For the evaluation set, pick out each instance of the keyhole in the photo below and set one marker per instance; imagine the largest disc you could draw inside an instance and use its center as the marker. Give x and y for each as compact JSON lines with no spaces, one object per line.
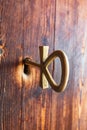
{"x":26,"y":69}
{"x":1,"y":51}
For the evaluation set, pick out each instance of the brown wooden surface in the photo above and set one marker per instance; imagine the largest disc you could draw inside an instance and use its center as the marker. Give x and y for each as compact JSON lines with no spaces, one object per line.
{"x":24,"y":26}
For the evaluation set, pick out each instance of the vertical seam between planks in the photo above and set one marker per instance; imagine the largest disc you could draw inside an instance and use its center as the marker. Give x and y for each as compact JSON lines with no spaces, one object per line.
{"x":2,"y":95}
{"x":54,"y":36}
{"x":22,"y":89}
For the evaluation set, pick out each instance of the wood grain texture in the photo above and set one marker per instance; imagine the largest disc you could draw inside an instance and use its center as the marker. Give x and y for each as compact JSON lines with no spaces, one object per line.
{"x":39,"y":30}
{"x":24,"y":26}
{"x":10,"y":77}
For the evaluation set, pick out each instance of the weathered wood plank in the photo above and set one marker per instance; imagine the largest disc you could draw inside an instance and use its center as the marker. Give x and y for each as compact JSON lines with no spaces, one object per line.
{"x":11,"y":82}
{"x":39,"y":19}
{"x":70,"y":36}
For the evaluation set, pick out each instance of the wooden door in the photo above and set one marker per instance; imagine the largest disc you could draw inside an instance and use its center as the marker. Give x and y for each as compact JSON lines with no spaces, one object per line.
{"x":24,"y":26}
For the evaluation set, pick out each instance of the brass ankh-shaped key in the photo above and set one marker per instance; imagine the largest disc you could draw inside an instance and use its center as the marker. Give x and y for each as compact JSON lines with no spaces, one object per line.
{"x":45,"y":60}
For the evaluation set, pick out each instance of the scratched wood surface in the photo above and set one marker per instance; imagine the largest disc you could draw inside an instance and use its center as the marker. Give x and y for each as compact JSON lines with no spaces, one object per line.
{"x":24,"y":26}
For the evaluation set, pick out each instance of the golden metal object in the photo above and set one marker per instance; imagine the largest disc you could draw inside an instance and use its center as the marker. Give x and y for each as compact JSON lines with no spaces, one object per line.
{"x":43,"y":55}
{"x":45,"y":60}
